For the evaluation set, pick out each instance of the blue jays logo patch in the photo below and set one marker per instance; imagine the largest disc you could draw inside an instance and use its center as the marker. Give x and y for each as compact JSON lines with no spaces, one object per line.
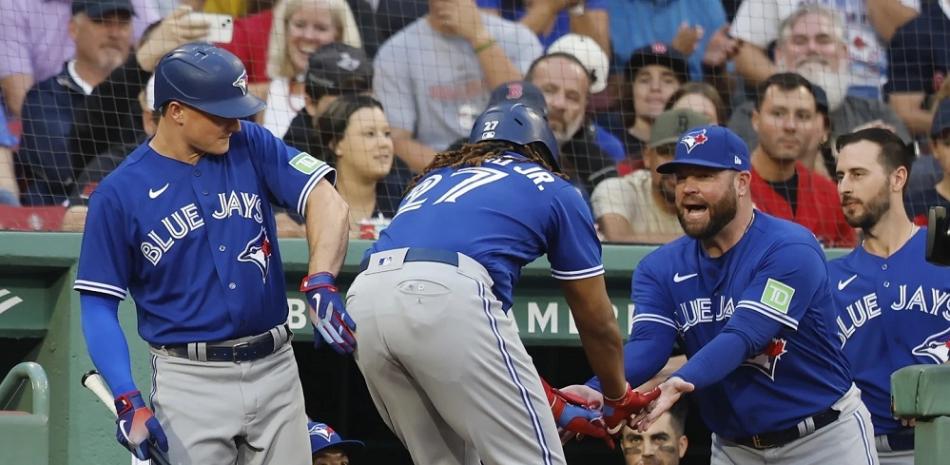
{"x":258,"y":252}
{"x":241,"y":82}
{"x":694,"y":139}
{"x":936,"y":347}
{"x":322,"y":430}
{"x":768,"y":359}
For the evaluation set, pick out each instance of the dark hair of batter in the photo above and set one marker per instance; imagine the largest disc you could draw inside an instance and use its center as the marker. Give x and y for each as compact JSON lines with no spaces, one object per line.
{"x":476,"y":154}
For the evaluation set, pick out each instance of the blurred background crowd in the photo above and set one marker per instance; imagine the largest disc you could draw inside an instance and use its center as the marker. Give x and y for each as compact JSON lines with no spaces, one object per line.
{"x":377,"y":87}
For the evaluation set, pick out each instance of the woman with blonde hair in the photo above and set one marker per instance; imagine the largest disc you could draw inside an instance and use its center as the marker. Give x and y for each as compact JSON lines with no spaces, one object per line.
{"x":299,"y":28}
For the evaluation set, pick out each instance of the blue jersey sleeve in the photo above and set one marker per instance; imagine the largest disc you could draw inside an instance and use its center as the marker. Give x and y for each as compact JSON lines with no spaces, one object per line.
{"x":785,"y":284}
{"x":105,"y":259}
{"x":489,"y":4}
{"x":290,"y":174}
{"x":573,"y":247}
{"x":779,"y":295}
{"x":108,"y":348}
{"x":653,"y":331}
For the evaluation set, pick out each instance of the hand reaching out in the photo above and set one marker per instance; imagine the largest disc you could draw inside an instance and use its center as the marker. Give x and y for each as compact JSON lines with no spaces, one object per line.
{"x":669,"y":392}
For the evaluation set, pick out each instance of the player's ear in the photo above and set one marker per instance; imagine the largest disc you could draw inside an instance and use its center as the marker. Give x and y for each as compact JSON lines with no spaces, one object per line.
{"x":683,"y":443}
{"x":755,"y":120}
{"x":742,"y":181}
{"x":898,"y":179}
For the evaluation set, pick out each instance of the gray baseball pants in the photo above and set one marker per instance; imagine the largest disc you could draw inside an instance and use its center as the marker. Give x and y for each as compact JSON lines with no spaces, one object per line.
{"x":849,"y":440}
{"x":248,"y":413}
{"x":445,"y":366}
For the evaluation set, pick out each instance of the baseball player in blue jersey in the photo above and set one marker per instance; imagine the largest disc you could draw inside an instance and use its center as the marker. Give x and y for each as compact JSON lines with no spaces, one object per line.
{"x":440,"y":355}
{"x":893,"y":306}
{"x":748,"y":297}
{"x":184,"y":225}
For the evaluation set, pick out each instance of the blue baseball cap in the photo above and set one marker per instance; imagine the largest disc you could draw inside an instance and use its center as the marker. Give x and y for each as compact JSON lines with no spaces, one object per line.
{"x":710,"y":146}
{"x":941,"y":118}
{"x":322,"y":436}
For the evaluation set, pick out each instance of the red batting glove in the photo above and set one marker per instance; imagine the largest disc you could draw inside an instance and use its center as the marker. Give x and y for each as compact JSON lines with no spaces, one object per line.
{"x":573,"y":414}
{"x":617,"y":412}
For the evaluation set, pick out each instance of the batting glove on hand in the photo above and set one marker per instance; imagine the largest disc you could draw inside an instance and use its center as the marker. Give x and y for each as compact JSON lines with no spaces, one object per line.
{"x":574,"y":415}
{"x":331,"y":323}
{"x":618,"y":412}
{"x":136,"y":426}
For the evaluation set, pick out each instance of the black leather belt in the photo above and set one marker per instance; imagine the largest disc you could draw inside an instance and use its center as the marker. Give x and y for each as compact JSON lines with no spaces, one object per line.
{"x":419,"y":254}
{"x":246,"y":350}
{"x":780,"y":438}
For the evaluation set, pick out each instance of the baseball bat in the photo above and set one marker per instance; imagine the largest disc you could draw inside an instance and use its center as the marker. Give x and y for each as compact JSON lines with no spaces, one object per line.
{"x":93,"y":381}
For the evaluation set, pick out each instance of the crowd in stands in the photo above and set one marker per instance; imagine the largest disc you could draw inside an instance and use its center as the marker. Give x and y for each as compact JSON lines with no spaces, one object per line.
{"x":377,"y":87}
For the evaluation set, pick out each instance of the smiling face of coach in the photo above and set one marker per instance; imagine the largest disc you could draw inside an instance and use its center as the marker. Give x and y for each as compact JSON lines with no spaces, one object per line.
{"x":201,"y":92}
{"x":713,"y":196}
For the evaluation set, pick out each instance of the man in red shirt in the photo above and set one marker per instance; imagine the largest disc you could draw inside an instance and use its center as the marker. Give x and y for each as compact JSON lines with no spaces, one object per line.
{"x":789,"y":127}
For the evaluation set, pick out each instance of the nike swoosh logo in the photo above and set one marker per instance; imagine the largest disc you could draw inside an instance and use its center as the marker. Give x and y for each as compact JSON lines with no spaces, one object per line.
{"x":678,"y":279}
{"x":844,"y":284}
{"x":122,"y":429}
{"x":152,"y":194}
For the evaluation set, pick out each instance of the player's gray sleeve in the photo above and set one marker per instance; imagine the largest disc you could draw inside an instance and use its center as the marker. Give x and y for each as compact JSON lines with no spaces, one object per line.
{"x":392,"y":84}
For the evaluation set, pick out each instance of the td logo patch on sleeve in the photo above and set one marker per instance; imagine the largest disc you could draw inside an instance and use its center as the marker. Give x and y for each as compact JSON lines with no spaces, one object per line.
{"x":305,"y":163}
{"x":777,"y":295}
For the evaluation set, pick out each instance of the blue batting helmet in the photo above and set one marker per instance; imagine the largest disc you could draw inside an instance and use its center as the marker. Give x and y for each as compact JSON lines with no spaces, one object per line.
{"x":205,"y":77}
{"x":518,"y":123}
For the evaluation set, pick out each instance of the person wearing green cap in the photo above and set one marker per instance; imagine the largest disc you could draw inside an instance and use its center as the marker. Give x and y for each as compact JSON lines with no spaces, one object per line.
{"x":639,"y":207}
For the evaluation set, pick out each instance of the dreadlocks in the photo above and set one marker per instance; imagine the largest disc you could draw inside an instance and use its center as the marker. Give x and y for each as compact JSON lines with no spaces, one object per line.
{"x":477,"y":153}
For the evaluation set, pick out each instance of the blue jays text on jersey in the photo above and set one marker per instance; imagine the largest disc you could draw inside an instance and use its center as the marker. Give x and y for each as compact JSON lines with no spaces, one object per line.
{"x":892,"y":312}
{"x":196,"y":245}
{"x":504,"y":214}
{"x":774,"y":277}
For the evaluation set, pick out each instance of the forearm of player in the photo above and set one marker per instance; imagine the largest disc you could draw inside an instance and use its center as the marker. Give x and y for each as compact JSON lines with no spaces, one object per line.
{"x":107,"y":345}
{"x":644,"y":355}
{"x":598,"y":331}
{"x":328,"y":229}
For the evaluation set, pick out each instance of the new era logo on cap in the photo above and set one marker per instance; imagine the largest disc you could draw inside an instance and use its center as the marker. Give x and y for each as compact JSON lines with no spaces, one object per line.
{"x":694,"y":139}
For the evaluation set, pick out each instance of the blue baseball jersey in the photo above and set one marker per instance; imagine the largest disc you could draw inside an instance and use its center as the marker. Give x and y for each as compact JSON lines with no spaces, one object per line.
{"x":504,"y":214}
{"x":774,"y":277}
{"x":196,"y":245}
{"x":892,"y":312}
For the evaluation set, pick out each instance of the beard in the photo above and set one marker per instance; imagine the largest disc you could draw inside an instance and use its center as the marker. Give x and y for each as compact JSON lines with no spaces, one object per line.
{"x":834,"y":83}
{"x":720,"y":214}
{"x":564,"y":131}
{"x":873,"y":210}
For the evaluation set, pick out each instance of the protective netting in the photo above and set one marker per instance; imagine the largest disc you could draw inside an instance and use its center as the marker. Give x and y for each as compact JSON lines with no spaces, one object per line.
{"x":622,"y":81}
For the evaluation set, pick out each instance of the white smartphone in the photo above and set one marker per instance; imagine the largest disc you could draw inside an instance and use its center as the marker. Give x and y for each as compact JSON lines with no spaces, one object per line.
{"x":221,"y":29}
